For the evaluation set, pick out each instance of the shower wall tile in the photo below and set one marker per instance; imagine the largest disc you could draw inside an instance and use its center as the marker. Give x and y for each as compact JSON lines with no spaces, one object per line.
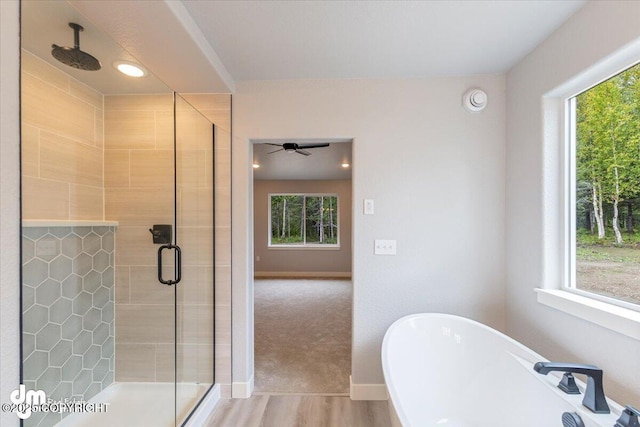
{"x":86,"y":94}
{"x":164,"y":130}
{"x":136,"y":362}
{"x":68,"y":310}
{"x":196,"y":243}
{"x":62,"y":158}
{"x":122,"y":285}
{"x":116,"y":169}
{"x":196,"y":206}
{"x":49,"y":108}
{"x":86,"y":201}
{"x":156,"y":103}
{"x":165,"y":355}
{"x":44,"y":71}
{"x":55,"y":152}
{"x":128,"y":128}
{"x":43,"y":199}
{"x":147,"y":290}
{"x":199,"y":290}
{"x":149,"y":169}
{"x":138,"y":323}
{"x":135,"y":246}
{"x":136,"y":207}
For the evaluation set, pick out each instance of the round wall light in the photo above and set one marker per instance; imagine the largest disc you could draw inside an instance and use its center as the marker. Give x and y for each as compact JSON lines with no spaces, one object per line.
{"x":255,"y":165}
{"x":345,"y":165}
{"x":474,"y":100}
{"x":130,"y":69}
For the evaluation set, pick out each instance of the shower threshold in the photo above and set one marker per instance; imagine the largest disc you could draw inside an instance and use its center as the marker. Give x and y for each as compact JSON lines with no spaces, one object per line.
{"x":139,"y":404}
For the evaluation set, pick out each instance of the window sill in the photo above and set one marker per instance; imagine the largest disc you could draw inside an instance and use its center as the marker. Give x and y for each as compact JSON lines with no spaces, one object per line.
{"x":619,"y":319}
{"x":304,"y":247}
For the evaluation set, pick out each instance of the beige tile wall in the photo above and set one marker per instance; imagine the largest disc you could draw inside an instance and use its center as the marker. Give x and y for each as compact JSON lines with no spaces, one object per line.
{"x":62,"y":157}
{"x":217,"y":108}
{"x":139,"y":192}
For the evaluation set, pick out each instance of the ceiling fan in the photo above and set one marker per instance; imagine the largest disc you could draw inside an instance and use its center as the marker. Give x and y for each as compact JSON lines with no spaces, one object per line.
{"x":292,"y":147}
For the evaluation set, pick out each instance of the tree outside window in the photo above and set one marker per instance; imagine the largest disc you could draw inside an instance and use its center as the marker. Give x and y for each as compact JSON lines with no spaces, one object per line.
{"x":607,"y":187}
{"x":303,"y":220}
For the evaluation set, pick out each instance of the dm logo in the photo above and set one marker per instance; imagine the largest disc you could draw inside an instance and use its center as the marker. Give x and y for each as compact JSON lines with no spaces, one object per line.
{"x":25,"y":400}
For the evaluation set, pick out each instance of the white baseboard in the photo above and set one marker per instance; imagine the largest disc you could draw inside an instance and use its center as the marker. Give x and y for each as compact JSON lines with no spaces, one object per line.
{"x":242,"y":390}
{"x":367,"y":391}
{"x":302,"y":274}
{"x":200,"y":415}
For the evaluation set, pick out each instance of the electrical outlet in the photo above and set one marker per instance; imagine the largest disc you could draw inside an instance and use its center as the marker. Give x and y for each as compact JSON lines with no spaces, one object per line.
{"x":384,"y":247}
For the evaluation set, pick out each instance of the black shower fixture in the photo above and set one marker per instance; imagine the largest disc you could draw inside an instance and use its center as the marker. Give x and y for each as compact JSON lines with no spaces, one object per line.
{"x":73,"y":56}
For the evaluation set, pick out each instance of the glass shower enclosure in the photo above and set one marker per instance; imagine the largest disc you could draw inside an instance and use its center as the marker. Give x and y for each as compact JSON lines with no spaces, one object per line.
{"x":117,"y":234}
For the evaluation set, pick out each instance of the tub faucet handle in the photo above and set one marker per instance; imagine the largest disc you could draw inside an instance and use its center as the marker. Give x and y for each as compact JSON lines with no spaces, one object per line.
{"x":568,"y":384}
{"x":629,"y":417}
{"x":594,"y":398}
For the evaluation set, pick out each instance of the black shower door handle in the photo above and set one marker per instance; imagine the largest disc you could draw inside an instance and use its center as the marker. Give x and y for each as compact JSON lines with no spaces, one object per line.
{"x":178,"y":265}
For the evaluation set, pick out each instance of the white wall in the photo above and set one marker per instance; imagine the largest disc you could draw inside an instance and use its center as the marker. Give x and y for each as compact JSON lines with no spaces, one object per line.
{"x":533,"y":215}
{"x":9,"y":205}
{"x":436,"y":173}
{"x":300,"y":261}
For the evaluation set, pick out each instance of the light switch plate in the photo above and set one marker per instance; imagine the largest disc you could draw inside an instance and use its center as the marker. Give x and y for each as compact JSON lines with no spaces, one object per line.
{"x":384,"y":247}
{"x":368,"y":207}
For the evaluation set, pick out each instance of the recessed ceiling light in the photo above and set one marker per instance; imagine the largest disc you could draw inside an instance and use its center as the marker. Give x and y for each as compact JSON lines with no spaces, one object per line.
{"x":130,"y":69}
{"x":345,"y":165}
{"x":256,"y":166}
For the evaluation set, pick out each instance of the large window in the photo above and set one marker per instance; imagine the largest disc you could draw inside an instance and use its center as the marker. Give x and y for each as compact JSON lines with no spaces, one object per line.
{"x":605,"y":121}
{"x":307,"y":220}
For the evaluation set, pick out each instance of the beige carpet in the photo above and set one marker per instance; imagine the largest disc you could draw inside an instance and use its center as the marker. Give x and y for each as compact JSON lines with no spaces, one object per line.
{"x":302,"y":336}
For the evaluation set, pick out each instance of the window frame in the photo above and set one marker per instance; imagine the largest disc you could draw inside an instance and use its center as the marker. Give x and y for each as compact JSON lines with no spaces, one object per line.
{"x":554,"y":239}
{"x":304,"y":245}
{"x":569,"y":282}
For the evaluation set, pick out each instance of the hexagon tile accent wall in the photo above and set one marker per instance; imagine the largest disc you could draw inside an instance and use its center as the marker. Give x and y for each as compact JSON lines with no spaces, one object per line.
{"x":67,"y":312}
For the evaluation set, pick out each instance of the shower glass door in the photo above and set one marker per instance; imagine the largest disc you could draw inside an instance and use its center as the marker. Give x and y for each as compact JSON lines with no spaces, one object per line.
{"x":195,"y":236}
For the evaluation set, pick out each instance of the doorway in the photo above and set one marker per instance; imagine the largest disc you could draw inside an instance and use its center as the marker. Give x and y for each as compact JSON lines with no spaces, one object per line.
{"x":302,"y":266}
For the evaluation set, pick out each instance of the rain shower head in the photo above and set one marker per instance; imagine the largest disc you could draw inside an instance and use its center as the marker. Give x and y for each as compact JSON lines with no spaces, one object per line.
{"x":73,"y":56}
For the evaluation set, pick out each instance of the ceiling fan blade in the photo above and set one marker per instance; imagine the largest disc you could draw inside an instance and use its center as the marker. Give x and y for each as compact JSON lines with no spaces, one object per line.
{"x":304,"y":153}
{"x":313,"y":145}
{"x":271,"y":152}
{"x":269,"y":143}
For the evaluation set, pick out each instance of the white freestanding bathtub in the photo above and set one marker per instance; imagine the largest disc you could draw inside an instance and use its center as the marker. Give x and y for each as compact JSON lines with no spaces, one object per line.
{"x":444,"y":370}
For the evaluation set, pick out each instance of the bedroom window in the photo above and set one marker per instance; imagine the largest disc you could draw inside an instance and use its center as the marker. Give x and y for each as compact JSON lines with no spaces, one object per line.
{"x":604,"y":124}
{"x":303,"y":220}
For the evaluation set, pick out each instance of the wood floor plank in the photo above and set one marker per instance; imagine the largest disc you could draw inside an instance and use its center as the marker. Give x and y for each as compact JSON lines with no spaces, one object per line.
{"x":239,"y":412}
{"x":300,"y":411}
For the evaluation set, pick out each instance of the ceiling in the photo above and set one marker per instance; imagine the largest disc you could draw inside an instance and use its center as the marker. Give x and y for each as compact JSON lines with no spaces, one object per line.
{"x":323,"y":163}
{"x":273,"y":40}
{"x":198,"y":46}
{"x":46,"y":22}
